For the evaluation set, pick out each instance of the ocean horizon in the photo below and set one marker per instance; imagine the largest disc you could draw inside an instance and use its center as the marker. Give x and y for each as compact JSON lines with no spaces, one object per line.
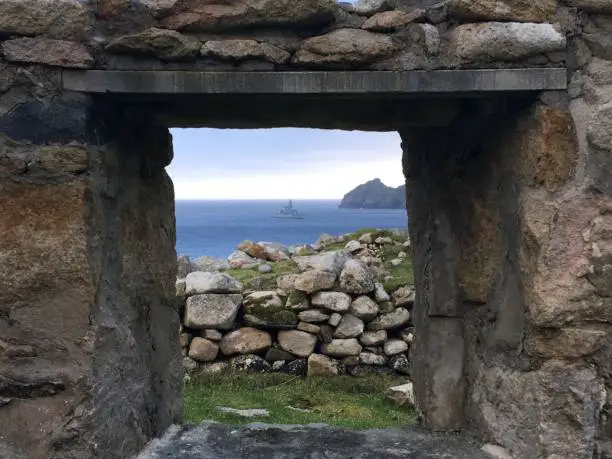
{"x":216,"y":227}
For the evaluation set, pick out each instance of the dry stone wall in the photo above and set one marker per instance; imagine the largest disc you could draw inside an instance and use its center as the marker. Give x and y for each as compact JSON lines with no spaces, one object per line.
{"x":283,"y":35}
{"x":329,"y":316}
{"x":510,"y":207}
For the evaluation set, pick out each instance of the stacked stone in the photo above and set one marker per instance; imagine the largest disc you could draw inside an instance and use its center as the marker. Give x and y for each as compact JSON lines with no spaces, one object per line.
{"x":376,"y":34}
{"x":332,"y":318}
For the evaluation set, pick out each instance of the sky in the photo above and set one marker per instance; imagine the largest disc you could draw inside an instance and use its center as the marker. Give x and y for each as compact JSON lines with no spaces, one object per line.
{"x":284,"y":163}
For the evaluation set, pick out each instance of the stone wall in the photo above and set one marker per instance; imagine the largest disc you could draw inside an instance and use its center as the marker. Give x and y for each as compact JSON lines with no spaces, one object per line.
{"x":330,"y":315}
{"x":510,"y":204}
{"x":284,"y":35}
{"x":509,"y":211}
{"x":89,"y":362}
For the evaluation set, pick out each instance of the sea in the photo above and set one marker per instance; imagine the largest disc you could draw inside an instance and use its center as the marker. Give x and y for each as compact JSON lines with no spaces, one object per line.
{"x":215,"y":228}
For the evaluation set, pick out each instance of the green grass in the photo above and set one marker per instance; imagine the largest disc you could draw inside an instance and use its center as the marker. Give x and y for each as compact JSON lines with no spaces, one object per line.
{"x":350,"y":402}
{"x":400,"y":275}
{"x":252,"y":278}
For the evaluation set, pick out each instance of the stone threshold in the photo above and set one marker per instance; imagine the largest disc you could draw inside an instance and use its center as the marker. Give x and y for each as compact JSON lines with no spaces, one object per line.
{"x":304,"y":82}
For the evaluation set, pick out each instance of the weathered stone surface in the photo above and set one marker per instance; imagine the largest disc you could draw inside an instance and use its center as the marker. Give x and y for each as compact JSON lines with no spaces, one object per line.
{"x":364,"y":308}
{"x":267,"y":309}
{"x":547,"y":142}
{"x":308,"y":327}
{"x":203,"y":350}
{"x":209,"y":264}
{"x":274,"y":355}
{"x":58,"y":53}
{"x":167,"y":45}
{"x":62,"y":19}
{"x":393,"y":319}
{"x":368,"y":358}
{"x":356,"y":278}
{"x":372,"y":338}
{"x":395,"y":346}
{"x":236,"y":50}
{"x":212,"y":310}
{"x":553,"y":410}
{"x":389,"y":21}
{"x":368,"y":7}
{"x":332,"y":261}
{"x":503,"y":10}
{"x":353,"y":246}
{"x":286,"y":282}
{"x":158,"y":7}
{"x":341,"y":347}
{"x":245,"y":341}
{"x":238,"y":259}
{"x":313,"y":316}
{"x":512,"y":40}
{"x":380,"y":294}
{"x":250,"y":362}
{"x":198,"y":282}
{"x":313,"y":281}
{"x":297,"y":342}
{"x":213,"y":335}
{"x":194,"y":16}
{"x":331,"y":301}
{"x":599,"y":131}
{"x":595,"y":6}
{"x":565,"y":343}
{"x":349,"y":327}
{"x":345,"y":48}
{"x":400,"y":364}
{"x":334,"y":319}
{"x":214,"y":440}
{"x":297,"y":301}
{"x":403,"y":296}
{"x":58,"y":160}
{"x":322,"y":365}
{"x":403,"y":395}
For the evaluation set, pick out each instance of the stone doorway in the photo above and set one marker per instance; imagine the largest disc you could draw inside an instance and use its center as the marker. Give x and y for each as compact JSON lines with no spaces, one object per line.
{"x":508,"y":331}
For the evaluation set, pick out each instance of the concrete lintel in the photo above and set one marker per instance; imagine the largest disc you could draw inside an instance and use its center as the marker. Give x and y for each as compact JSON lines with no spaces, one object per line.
{"x":344,"y":82}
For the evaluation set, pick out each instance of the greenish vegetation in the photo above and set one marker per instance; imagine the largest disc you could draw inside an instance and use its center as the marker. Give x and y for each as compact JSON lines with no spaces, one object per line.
{"x":356,"y":403}
{"x":252,"y":278}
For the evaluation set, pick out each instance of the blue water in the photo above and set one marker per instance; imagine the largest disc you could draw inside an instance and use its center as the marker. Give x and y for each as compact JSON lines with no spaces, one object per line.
{"x":215,"y":227}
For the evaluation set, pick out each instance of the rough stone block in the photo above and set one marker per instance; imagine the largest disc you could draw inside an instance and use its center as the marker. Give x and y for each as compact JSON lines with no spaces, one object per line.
{"x":63,"y":19}
{"x":552,"y":411}
{"x":512,"y":40}
{"x":503,"y":10}
{"x":57,"y":53}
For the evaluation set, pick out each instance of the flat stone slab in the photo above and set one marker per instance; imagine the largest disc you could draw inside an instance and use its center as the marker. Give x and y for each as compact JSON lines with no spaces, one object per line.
{"x":357,"y":82}
{"x":314,"y":441}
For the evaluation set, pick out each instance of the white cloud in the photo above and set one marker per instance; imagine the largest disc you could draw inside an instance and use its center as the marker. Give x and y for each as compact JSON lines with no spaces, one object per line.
{"x":326,"y":182}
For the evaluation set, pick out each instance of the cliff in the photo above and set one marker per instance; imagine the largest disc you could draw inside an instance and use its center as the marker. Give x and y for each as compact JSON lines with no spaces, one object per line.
{"x":375,"y":195}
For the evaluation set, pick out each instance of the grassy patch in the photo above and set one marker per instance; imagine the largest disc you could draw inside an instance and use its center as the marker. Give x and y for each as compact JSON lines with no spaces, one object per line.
{"x":356,"y":403}
{"x":400,"y":275}
{"x":252,"y":278}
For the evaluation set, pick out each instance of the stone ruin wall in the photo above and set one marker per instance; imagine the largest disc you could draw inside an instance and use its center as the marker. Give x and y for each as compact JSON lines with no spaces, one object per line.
{"x":329,"y":317}
{"x":516,"y":226}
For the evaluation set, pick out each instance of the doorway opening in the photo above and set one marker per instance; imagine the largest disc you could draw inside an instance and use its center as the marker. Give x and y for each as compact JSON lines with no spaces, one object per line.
{"x":294,"y":276}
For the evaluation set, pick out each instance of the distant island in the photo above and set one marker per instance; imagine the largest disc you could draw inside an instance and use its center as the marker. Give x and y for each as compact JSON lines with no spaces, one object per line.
{"x":375,"y":195}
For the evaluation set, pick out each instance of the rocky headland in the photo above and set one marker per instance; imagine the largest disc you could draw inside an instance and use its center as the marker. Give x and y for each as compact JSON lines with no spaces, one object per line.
{"x":338,"y":306}
{"x":375,"y":195}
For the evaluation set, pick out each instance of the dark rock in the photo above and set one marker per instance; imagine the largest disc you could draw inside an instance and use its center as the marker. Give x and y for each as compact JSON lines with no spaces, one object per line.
{"x":326,"y":333}
{"x":400,"y":364}
{"x":43,"y":122}
{"x":296,"y":367}
{"x":262,"y":441}
{"x":250,"y":362}
{"x":375,"y":195}
{"x":364,"y":370}
{"x":274,"y":354}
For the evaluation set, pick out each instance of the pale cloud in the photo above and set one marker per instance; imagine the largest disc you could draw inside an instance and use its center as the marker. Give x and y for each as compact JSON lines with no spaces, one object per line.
{"x":281,"y":164}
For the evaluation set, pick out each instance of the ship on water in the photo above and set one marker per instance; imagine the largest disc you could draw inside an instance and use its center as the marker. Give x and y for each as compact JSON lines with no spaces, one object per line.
{"x":289,"y":212}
